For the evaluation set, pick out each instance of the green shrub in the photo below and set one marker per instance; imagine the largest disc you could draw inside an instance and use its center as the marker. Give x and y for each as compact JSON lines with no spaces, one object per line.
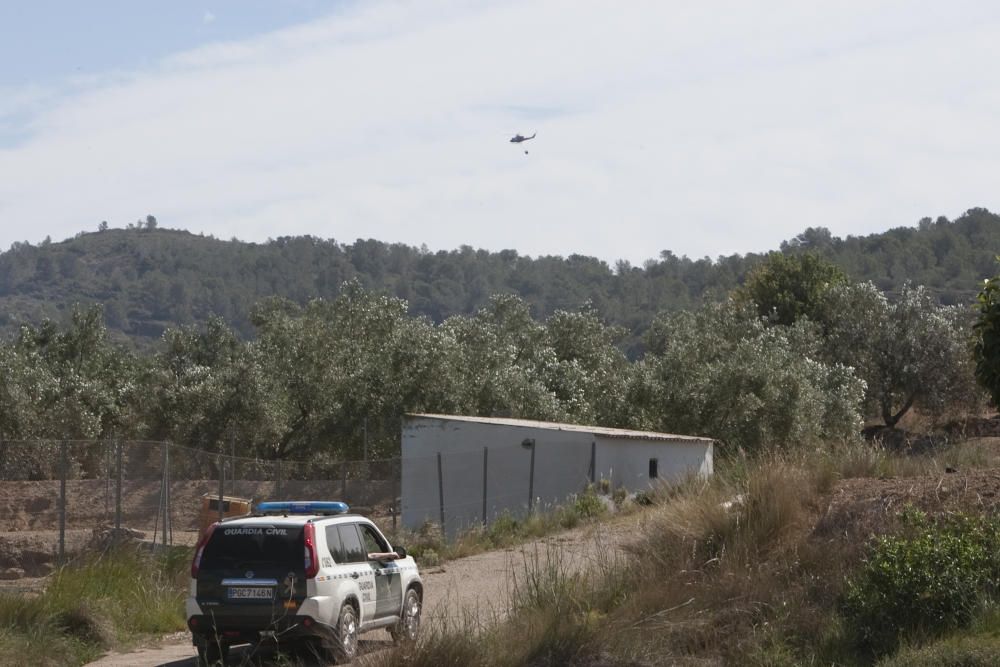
{"x":430,"y":558}
{"x":503,"y":530}
{"x":588,"y":505}
{"x":429,"y":539}
{"x":928,"y":580}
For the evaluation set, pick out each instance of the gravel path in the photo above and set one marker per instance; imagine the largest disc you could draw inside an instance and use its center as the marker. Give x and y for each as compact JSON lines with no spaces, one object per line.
{"x":472,"y":589}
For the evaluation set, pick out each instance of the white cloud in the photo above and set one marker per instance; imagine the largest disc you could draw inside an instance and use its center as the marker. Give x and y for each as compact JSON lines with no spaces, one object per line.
{"x":703,"y":128}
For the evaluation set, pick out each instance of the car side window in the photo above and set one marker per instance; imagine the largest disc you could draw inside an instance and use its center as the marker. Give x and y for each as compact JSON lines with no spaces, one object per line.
{"x":354,"y":551}
{"x":374,"y":543}
{"x":334,"y":545}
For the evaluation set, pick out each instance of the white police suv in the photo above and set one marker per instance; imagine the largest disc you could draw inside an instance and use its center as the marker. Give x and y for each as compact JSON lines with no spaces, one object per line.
{"x":301,"y":574}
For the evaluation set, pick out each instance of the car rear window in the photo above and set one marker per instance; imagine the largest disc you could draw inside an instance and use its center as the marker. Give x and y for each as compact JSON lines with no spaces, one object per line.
{"x":240,"y":546}
{"x":352,"y":551}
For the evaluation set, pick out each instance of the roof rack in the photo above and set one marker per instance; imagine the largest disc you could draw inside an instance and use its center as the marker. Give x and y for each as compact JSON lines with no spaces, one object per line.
{"x":324,"y":507}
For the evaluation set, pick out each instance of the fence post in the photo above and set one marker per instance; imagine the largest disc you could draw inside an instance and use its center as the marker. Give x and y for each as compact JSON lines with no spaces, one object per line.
{"x":107,"y":481}
{"x":159,"y":513}
{"x":232,"y":464}
{"x":64,"y":470}
{"x":222,"y":484}
{"x":441,"y":493}
{"x":119,"y":446}
{"x":593,"y":462}
{"x":343,"y":481}
{"x":396,"y":474}
{"x":486,"y":457}
{"x":168,"y":524}
{"x":165,"y":489}
{"x":531,"y":480}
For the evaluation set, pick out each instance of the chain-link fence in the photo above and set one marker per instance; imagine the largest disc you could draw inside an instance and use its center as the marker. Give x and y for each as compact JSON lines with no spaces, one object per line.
{"x":59,"y":498}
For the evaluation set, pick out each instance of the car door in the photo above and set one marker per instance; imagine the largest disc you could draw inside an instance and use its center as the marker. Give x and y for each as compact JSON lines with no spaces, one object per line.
{"x":356,"y":567}
{"x":388,"y":582}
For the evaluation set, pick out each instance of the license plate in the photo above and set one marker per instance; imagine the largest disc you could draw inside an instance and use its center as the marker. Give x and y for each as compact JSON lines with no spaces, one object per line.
{"x":250,"y":593}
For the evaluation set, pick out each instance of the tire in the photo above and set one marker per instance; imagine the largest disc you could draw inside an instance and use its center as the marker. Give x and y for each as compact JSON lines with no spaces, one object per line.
{"x":408,"y":626}
{"x":212,"y":654}
{"x":346,"y":647}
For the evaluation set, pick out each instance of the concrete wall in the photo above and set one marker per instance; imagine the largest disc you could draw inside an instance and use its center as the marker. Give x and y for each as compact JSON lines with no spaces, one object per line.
{"x":626,"y":461}
{"x":562,"y":467}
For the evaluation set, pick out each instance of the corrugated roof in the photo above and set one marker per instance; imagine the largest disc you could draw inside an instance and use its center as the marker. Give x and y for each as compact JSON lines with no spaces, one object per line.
{"x":576,"y":428}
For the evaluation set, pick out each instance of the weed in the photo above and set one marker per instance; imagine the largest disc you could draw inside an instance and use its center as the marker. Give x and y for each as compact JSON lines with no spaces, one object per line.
{"x":92,"y":606}
{"x":588,"y":505}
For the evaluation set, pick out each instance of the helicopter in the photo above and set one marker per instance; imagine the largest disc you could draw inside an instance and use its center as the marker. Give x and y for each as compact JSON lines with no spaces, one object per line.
{"x":517,"y":138}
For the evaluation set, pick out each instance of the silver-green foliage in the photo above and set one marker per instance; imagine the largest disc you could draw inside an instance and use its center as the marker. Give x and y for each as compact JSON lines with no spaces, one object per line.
{"x":910,"y":351}
{"x":722,"y":371}
{"x":568,"y":368}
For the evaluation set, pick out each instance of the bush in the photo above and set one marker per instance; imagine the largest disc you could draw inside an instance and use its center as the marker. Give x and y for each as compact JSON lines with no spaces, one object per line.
{"x":428,"y":540}
{"x":430,"y":558}
{"x":588,"y":505}
{"x":503,"y":530}
{"x":928,"y":580}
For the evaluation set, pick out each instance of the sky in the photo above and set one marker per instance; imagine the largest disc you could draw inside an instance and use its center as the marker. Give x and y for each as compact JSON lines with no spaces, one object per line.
{"x":705,"y":128}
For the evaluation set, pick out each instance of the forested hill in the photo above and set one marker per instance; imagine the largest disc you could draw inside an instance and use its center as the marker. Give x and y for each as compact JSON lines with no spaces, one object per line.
{"x":150,"y":278}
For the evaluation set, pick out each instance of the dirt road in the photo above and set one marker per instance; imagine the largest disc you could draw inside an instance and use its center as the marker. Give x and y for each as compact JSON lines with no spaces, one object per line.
{"x":465,"y":589}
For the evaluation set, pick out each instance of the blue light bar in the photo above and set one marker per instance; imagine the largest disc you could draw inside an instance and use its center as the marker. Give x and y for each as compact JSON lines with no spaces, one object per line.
{"x":303,"y":507}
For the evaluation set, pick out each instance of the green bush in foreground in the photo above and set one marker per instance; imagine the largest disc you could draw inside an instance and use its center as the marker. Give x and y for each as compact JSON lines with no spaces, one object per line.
{"x":923,"y":583}
{"x":90,"y":607}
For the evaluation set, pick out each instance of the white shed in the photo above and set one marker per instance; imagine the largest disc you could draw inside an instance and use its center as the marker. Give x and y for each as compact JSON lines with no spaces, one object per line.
{"x":463,"y":471}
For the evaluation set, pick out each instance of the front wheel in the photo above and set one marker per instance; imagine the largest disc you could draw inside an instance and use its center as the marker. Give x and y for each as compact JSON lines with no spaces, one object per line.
{"x":347,"y":634}
{"x":409,"y":619}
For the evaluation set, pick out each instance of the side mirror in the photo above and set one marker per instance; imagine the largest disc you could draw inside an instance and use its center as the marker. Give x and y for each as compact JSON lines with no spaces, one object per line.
{"x":401,"y":551}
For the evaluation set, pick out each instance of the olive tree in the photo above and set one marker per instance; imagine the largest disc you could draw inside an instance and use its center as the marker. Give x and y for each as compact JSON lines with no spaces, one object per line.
{"x":591,"y":372}
{"x":209,"y":390}
{"x":721,"y":371}
{"x":910,"y":352}
{"x":92,"y":388}
{"x":500,"y":357}
{"x":345,"y":370}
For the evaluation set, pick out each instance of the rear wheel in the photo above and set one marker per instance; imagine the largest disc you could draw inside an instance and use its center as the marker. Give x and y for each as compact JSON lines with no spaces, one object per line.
{"x":409,"y":618}
{"x":347,"y":634}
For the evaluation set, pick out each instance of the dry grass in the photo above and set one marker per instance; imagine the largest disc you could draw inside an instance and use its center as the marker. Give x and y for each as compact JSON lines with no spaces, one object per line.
{"x":724,"y":571}
{"x":87,"y":608}
{"x":741,"y":568}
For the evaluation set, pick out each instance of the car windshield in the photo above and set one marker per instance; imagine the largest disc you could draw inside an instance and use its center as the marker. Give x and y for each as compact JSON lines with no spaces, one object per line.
{"x":244,"y":546}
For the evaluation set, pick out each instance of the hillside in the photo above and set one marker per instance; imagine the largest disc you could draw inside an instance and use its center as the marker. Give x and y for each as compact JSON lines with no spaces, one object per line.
{"x":152,"y":278}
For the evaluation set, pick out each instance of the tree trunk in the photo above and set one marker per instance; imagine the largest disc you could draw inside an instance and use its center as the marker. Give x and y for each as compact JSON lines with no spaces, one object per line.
{"x":892,"y":419}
